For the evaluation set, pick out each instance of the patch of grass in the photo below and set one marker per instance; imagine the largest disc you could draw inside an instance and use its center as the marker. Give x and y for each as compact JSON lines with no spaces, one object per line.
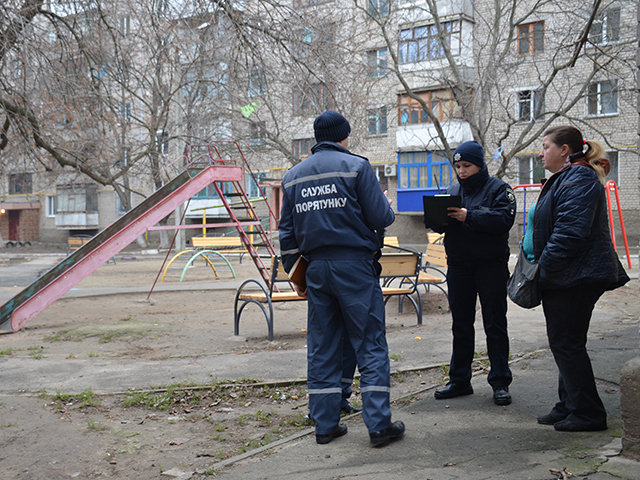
{"x":264,"y":419}
{"x":396,"y":357}
{"x":162,"y":400}
{"x":126,"y":327}
{"x":9,"y":424}
{"x":209,"y":471}
{"x":84,"y":399}
{"x":219,"y":427}
{"x":299,"y":421}
{"x":220,"y":437}
{"x":242,"y":419}
{"x":93,"y":425}
{"x":406,"y":400}
{"x":444,"y":373}
{"x":92,"y":354}
{"x":119,"y":432}
{"x":35,"y":352}
{"x":70,"y":356}
{"x":7,"y":351}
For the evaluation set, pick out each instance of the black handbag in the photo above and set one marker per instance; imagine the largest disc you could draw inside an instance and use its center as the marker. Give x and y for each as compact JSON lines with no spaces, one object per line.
{"x":523,"y":283}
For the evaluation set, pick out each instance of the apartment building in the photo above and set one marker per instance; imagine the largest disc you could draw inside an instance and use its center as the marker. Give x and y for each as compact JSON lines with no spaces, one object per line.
{"x":415,"y":78}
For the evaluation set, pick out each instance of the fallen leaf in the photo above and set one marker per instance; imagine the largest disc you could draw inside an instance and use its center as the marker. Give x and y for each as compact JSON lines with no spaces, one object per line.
{"x":418,"y":338}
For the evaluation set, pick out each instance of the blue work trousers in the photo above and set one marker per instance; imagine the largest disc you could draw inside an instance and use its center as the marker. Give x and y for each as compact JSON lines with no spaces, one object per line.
{"x":465,"y":285}
{"x":346,"y":304}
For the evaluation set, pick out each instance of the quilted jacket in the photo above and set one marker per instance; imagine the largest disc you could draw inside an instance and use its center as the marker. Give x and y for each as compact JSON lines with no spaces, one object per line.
{"x":571,"y":236}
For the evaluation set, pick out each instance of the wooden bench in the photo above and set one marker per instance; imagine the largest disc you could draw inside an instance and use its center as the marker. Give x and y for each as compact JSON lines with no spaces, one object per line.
{"x":434,"y":237}
{"x":390,"y":244}
{"x":266,"y":296}
{"x":77,"y":241}
{"x":395,"y":266}
{"x":225,"y":244}
{"x":403,"y":267}
{"x":431,"y":273}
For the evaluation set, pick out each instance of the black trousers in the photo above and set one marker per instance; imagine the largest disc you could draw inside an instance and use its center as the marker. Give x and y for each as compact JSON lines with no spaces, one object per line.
{"x":465,"y":285}
{"x":568,"y":314}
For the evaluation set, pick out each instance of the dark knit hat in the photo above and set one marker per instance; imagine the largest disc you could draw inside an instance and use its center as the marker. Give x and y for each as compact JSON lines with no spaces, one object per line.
{"x":471,"y":152}
{"x":331,"y":126}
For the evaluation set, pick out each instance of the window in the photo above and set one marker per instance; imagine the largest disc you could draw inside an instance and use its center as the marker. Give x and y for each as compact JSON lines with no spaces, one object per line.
{"x":606,"y":27}
{"x":530,"y":169}
{"x":614,"y":173}
{"x":423,"y":170}
{"x":528,"y":103}
{"x":76,"y":198}
{"x":377,"y":63}
{"x":423,"y":43}
{"x":124,"y":111}
{"x":602,"y":98}
{"x":377,"y":121}
{"x":378,"y":8}
{"x":256,"y":135}
{"x":120,"y":208}
{"x":253,"y":190}
{"x":530,"y":38}
{"x":20,"y":183}
{"x":302,"y":148}
{"x":162,"y":142}
{"x":319,"y":38}
{"x":211,"y":192}
{"x":312,"y":100}
{"x":440,"y":102}
{"x":51,"y":206}
{"x":257,"y":83}
{"x":125,"y":25}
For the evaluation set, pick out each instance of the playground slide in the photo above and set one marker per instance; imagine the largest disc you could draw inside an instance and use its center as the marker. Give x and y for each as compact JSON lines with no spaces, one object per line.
{"x":60,"y":279}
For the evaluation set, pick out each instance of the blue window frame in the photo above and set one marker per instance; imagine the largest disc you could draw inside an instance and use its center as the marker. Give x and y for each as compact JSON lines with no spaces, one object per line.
{"x":423,"y":170}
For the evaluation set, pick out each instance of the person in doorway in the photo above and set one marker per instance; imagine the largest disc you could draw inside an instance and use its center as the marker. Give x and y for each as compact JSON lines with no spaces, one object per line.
{"x":332,"y":209}
{"x":477,"y":247}
{"x":572,"y":244}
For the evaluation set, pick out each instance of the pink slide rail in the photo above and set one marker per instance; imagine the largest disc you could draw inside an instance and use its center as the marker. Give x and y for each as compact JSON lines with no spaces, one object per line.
{"x":31,"y":301}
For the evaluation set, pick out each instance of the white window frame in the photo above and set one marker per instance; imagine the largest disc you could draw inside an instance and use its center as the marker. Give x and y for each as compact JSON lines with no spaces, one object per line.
{"x":51,"y":206}
{"x":530,"y":160}
{"x":377,"y":62}
{"x":609,"y":32}
{"x":535,"y":95}
{"x":119,"y":207}
{"x":379,"y":115}
{"x":598,"y":95}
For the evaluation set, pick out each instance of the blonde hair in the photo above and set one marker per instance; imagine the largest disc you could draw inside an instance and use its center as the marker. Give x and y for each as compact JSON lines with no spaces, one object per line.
{"x":595,"y":152}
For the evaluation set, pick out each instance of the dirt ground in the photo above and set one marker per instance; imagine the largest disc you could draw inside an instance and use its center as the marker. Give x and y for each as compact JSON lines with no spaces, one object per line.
{"x":143,"y":430}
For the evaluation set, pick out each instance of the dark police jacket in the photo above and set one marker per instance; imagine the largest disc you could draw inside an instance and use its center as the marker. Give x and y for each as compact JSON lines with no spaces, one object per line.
{"x":571,"y":236}
{"x":484,"y":236}
{"x":331,"y":201}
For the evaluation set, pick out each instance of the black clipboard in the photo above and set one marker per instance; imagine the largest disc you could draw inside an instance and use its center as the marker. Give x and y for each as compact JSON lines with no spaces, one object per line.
{"x":436,"y":210}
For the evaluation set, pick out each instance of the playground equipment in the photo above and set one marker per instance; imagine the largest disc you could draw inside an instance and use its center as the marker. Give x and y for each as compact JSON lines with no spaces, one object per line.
{"x":610,"y":186}
{"x":205,"y":165}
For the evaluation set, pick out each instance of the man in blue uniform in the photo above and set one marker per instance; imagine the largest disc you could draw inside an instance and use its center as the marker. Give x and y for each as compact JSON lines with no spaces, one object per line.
{"x":332,"y":208}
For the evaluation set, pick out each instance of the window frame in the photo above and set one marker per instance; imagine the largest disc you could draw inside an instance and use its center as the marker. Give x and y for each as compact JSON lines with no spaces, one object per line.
{"x":378,"y":118}
{"x":602,"y":22}
{"x":257,"y":137}
{"x":297,"y":146}
{"x":162,"y":142}
{"x":614,"y":161}
{"x":410,"y":110}
{"x":535,"y":96}
{"x":440,"y":161}
{"x":530,"y":37}
{"x":257,"y":83}
{"x":377,"y":62}
{"x":51,"y":206}
{"x":534,"y":164}
{"x":378,"y":8}
{"x":598,"y":96}
{"x":420,"y":48}
{"x":20,"y":183}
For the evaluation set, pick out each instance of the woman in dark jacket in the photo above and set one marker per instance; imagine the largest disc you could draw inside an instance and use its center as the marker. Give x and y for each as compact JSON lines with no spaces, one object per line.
{"x":572,"y":244}
{"x":477,"y":248}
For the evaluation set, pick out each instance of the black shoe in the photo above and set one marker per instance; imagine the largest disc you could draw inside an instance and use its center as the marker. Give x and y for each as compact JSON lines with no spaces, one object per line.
{"x":384,"y":437}
{"x":549,"y":419}
{"x":453,"y":390}
{"x":501,"y":396}
{"x":567,"y":425}
{"x":340,"y":430}
{"x":350,"y":409}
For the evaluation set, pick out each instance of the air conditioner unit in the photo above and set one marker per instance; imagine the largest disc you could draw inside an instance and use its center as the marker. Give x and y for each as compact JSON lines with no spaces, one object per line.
{"x":390,"y":170}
